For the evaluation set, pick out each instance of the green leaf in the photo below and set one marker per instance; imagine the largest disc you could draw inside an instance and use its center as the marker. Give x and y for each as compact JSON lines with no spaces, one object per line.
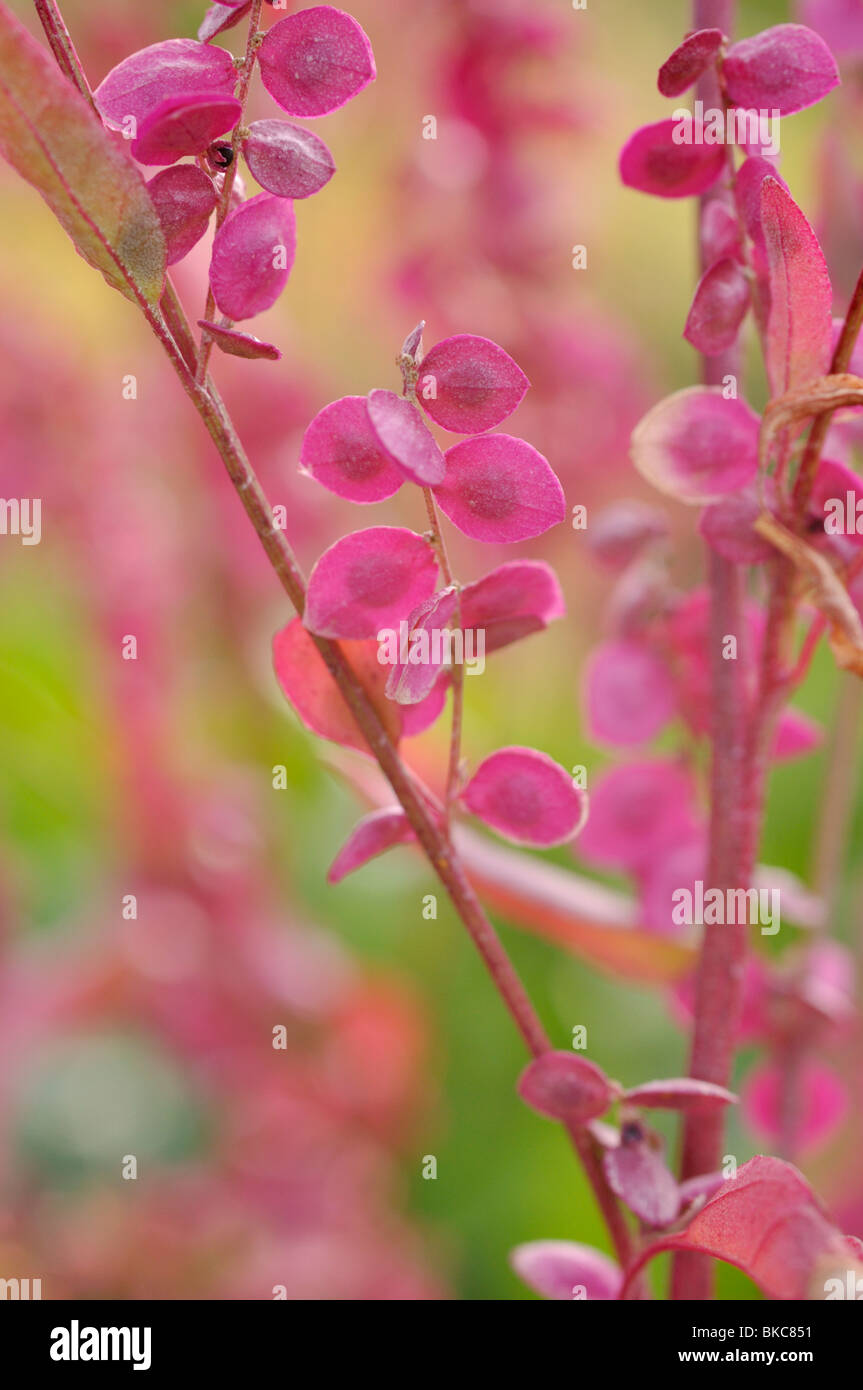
{"x":51,"y":136}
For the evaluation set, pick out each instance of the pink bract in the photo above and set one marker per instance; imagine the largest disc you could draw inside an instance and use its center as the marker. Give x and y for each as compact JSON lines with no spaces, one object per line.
{"x":622,"y":530}
{"x":718,"y":308}
{"x":800,"y":325}
{"x":412,"y":681}
{"x":287,"y":160}
{"x":629,"y":694}
{"x":498,"y":488}
{"x":184,"y":199}
{"x":404,"y":435}
{"x":252,"y":256}
{"x":342,"y":452}
{"x":468,"y":384}
{"x":720,"y":232}
{"x":314,"y":61}
{"x":516,"y":599}
{"x":369,"y":580}
{"x":652,"y":162}
{"x":796,"y":735}
{"x":729,"y":527}
{"x":184,"y":125}
{"x":373,"y":835}
{"x":639,"y":1175}
{"x":221,"y":17}
{"x":637,"y":811}
{"x":564,"y":1086}
{"x":679,"y":1093}
{"x":785,"y":69}
{"x":174,"y":68}
{"x":688,"y":61}
{"x":526,"y":797}
{"x":697,"y":446}
{"x":237,"y":344}
{"x":677,"y":866}
{"x":563,"y":1270}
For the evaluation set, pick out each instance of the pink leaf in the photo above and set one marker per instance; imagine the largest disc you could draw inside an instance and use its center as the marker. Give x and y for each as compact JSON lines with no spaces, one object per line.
{"x":221,"y":17}
{"x":729,"y":528}
{"x":622,"y":530}
{"x":252,"y":256}
{"x":184,"y":199}
{"x":836,"y":491}
{"x":629,"y":694}
{"x":681,"y":1093}
{"x":677,"y":866}
{"x":799,"y":327}
{"x":412,"y":680}
{"x":718,"y":309}
{"x":468,"y":384}
{"x":498,"y":488}
{"x":563,"y":1270}
{"x":564,"y":1086}
{"x":516,"y":599}
{"x":406,"y":438}
{"x":369,"y":580}
{"x":184,"y":125}
{"x":636,"y":811}
{"x":237,"y":344}
{"x":315,"y":61}
{"x":697,"y":446}
{"x":637,"y":1173}
{"x":174,"y":68}
{"x":839,"y":22}
{"x":688,"y":61}
{"x":747,"y":194}
{"x":417,"y":718}
{"x":371,"y":836}
{"x":652,"y":162}
{"x":720,"y":232}
{"x":342,"y":452}
{"x":307,"y":683}
{"x":287,"y":160}
{"x":526,"y":797}
{"x":767,"y":1222}
{"x":822,"y":1104}
{"x":796,"y":735}
{"x":782,"y":69}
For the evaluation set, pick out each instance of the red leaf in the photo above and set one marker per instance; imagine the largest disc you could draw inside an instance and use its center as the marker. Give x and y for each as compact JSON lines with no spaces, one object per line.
{"x":799,"y":326}
{"x":680,"y":1093}
{"x":564,"y":1086}
{"x":688,"y":61}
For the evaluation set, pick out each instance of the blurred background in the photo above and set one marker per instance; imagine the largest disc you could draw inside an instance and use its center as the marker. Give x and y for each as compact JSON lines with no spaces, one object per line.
{"x":146,"y":787}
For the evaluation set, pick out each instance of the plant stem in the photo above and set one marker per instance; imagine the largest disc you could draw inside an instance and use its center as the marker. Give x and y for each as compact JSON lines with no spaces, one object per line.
{"x":230,"y":173}
{"x":457,"y":673}
{"x":171,"y":327}
{"x":63,"y":49}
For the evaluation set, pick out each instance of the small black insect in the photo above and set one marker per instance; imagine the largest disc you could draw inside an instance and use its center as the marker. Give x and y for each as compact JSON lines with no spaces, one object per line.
{"x":220,"y":156}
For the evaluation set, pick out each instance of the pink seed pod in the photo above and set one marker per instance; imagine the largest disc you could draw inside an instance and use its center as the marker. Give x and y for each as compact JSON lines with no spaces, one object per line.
{"x":824,"y":1104}
{"x":413,"y":679}
{"x":629,"y":694}
{"x":688,"y":61}
{"x":800,"y":324}
{"x":564,"y":1086}
{"x":314,"y":61}
{"x":785,"y":69}
{"x":174,"y":68}
{"x":468,"y":384}
{"x":516,"y":599}
{"x":637,"y":811}
{"x":622,"y":530}
{"x":306,"y":682}
{"x":498,"y":488}
{"x":718,"y":308}
{"x":680,"y":1093}
{"x":696,"y":446}
{"x":252,"y":256}
{"x":526,"y":797}
{"x":639,"y":1176}
{"x":237,"y":344}
{"x":219,"y":18}
{"x":371,"y":836}
{"x":563,"y":1270}
{"x":369,"y":580}
{"x":185,"y":200}
{"x":653,"y":162}
{"x":184,"y":125}
{"x":342,"y":452}
{"x":287,"y":160}
{"x":405,"y":437}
